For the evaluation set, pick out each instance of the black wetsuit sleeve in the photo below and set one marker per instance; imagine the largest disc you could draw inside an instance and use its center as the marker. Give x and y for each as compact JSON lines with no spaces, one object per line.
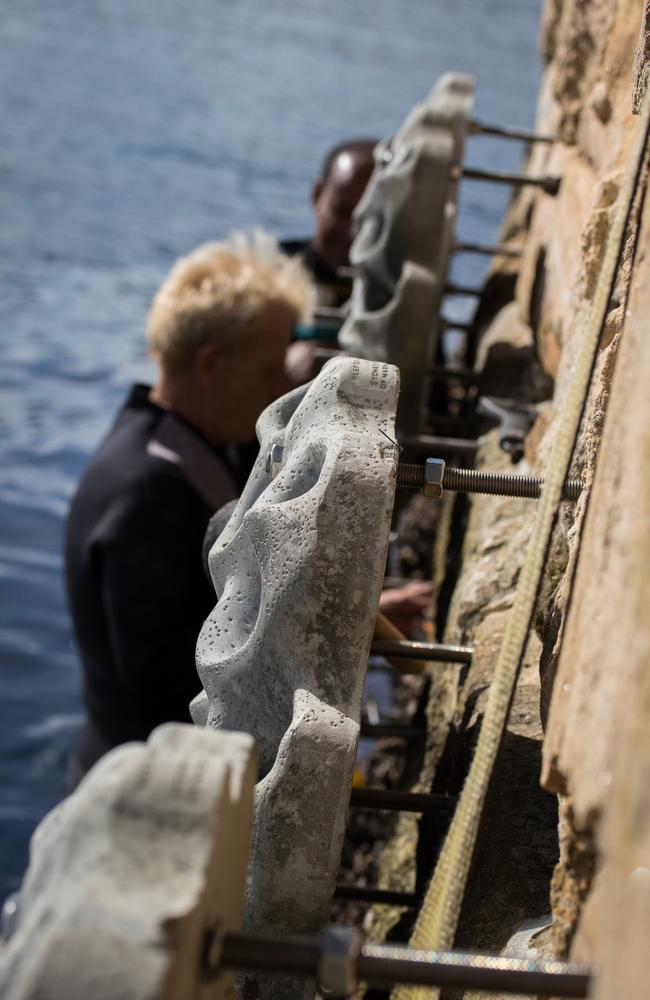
{"x":155,"y":599}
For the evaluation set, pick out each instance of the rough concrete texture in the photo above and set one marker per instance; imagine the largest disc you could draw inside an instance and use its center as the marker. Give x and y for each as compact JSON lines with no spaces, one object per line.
{"x":298,"y":571}
{"x":128,"y":874}
{"x":380,"y":335}
{"x":406,"y":222}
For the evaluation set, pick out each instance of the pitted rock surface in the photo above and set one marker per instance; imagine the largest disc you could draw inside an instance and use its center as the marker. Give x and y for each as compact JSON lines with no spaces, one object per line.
{"x":283,"y":656}
{"x":128,"y":874}
{"x":406,"y":222}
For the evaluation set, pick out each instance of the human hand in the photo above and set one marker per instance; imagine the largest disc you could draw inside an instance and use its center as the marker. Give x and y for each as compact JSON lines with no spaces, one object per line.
{"x":405,"y":606}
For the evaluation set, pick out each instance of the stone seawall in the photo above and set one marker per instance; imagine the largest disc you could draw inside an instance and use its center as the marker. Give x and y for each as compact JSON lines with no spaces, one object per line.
{"x":566,"y":828}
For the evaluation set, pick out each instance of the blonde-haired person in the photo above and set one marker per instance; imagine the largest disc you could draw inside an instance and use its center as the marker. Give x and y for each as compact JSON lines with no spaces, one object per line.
{"x":218,"y":329}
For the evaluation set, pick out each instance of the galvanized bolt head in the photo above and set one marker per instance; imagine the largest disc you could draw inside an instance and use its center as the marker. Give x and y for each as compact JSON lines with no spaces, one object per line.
{"x":274,"y":460}
{"x":434,"y":471}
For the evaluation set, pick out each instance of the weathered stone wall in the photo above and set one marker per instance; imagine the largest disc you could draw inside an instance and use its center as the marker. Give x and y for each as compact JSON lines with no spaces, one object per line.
{"x":583,"y":699}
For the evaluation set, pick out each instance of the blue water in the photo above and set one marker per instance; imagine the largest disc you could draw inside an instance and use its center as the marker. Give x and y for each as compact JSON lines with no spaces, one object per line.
{"x":131,"y":132}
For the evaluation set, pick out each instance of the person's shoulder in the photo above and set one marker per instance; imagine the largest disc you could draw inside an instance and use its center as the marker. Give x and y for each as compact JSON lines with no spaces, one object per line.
{"x":294,"y":247}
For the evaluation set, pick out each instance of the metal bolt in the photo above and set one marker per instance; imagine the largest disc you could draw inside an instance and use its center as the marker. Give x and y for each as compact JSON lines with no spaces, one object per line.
{"x":372,"y":895}
{"x":452,"y":324}
{"x":486,"y":249}
{"x":386,"y":730}
{"x":474,"y":481}
{"x":434,"y":470}
{"x":409,"y":649}
{"x":379,"y":798}
{"x":452,"y":289}
{"x":384,"y":964}
{"x":550,"y":185}
{"x":274,"y":460}
{"x":439,"y":372}
{"x":505,"y":132}
{"x":444,"y":445}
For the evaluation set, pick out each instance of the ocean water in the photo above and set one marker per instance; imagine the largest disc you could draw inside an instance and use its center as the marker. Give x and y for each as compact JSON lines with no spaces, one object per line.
{"x":131,"y":131}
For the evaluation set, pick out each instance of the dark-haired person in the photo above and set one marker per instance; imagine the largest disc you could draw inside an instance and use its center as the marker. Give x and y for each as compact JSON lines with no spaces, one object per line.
{"x":343,"y":178}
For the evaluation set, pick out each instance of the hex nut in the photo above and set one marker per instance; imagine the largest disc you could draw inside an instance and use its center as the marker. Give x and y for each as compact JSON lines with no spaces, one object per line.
{"x":434,"y":472}
{"x":274,"y":460}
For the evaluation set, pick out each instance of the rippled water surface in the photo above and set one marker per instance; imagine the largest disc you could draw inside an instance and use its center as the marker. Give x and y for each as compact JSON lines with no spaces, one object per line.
{"x":132,"y":131}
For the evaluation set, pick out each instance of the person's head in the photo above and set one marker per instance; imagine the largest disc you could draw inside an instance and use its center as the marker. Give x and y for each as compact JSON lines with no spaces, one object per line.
{"x":344,"y":175}
{"x":219,"y":328}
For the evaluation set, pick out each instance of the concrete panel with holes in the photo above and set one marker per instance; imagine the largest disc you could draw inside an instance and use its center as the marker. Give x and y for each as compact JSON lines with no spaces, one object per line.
{"x":130,"y":875}
{"x":298,"y":571}
{"x":406,"y":224}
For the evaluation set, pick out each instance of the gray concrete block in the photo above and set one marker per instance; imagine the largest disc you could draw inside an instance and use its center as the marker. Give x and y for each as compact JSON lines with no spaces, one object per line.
{"x":408,"y":215}
{"x":390,"y":333}
{"x":128,"y":874}
{"x":283,"y":656}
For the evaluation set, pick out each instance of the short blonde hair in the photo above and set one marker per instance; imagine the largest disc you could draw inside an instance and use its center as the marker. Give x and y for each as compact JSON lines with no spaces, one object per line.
{"x":219,"y":293}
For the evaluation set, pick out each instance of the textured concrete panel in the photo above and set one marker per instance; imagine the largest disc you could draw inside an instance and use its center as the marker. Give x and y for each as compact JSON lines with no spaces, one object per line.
{"x":407,"y":217}
{"x":128,"y":874}
{"x":390,"y":332}
{"x":402,"y":215}
{"x":283,"y":656}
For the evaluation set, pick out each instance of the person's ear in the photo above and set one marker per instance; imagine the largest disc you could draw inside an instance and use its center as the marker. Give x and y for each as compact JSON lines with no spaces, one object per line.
{"x":317,"y":190}
{"x":208,"y":360}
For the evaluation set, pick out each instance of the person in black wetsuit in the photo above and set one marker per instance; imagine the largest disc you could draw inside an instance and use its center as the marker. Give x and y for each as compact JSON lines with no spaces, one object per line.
{"x":344,"y":174}
{"x":218,"y":329}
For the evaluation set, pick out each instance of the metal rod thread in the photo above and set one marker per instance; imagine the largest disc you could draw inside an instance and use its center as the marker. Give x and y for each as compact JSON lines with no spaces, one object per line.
{"x":435,"y":443}
{"x":410,"y":649}
{"x":381,"y":964}
{"x":491,"y":483}
{"x":487,"y":249}
{"x":505,"y":132}
{"x":453,"y":289}
{"x":373,"y":895}
{"x":550,"y":185}
{"x":393,"y":801}
{"x":386,"y":730}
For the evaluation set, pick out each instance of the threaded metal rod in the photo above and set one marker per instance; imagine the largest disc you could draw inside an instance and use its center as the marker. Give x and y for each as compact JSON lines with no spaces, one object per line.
{"x":550,"y":185}
{"x":463,"y":290}
{"x":382,"y":964}
{"x":392,"y":801}
{"x":452,"y":324}
{"x":505,"y":132}
{"x":439,"y":373}
{"x":436,"y":443}
{"x":372,"y":895}
{"x":410,"y":649}
{"x":492,"y":483}
{"x":396,"y":730}
{"x":486,"y":249}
